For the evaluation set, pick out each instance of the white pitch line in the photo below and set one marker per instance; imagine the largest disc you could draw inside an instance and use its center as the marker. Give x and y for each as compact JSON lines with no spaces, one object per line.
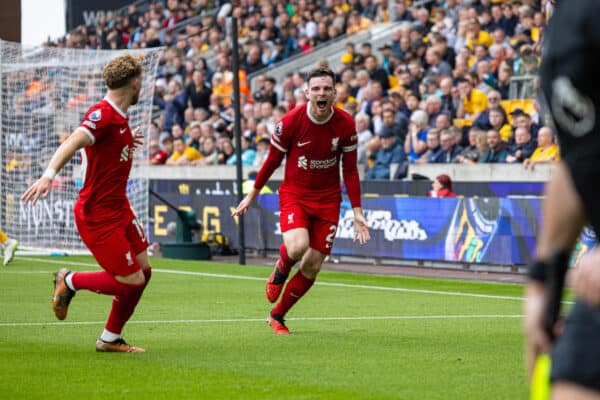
{"x":24,"y":272}
{"x":330,"y":284}
{"x":243,"y":320}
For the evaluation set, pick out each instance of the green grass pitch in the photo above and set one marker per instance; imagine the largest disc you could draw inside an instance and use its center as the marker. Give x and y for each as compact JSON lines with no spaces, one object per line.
{"x":203,"y":325}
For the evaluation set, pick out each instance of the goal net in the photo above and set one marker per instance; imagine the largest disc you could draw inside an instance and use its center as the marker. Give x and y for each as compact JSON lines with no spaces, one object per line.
{"x":44,"y":94}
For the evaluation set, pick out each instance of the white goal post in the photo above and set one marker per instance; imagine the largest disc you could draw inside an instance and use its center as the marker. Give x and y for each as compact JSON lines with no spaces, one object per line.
{"x":44,"y":93}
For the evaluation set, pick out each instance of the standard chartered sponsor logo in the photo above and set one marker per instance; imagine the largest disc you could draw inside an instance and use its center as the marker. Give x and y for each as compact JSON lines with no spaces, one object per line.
{"x":304,"y":163}
{"x":381,"y":220}
{"x":323,"y":164}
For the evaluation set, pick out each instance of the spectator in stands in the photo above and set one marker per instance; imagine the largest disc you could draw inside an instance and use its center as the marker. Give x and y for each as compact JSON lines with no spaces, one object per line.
{"x":493,"y":100}
{"x":485,"y":76}
{"x":433,"y":107}
{"x":173,"y":104}
{"x":198,"y":92}
{"x":253,"y":62}
{"x":442,"y":121}
{"x":411,"y":105}
{"x":510,"y":20}
{"x":523,"y":148}
{"x":546,"y":151}
{"x":377,"y":73}
{"x":416,"y":140}
{"x":441,"y":187}
{"x":363,"y":80}
{"x":195,"y":133}
{"x":403,"y":13}
{"x":476,"y":36}
{"x":449,"y":97}
{"x":471,"y":153}
{"x":177,"y":131}
{"x":472,"y":101}
{"x":435,"y":64}
{"x":226,"y":150}
{"x":157,"y":156}
{"x":496,"y":152}
{"x":267,"y":92}
{"x":167,"y":145}
{"x":183,"y":154}
{"x":210,"y":154}
{"x":262,"y":150}
{"x":449,"y":149}
{"x":393,"y":116}
{"x":498,"y":122}
{"x":364,"y":136}
{"x":523,"y":120}
{"x":433,"y":153}
{"x":390,"y":153}
{"x":248,"y":153}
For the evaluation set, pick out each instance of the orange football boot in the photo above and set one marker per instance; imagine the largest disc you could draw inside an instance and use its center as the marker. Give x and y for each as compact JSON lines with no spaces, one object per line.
{"x":118,"y":346}
{"x":278,"y":325}
{"x":275,"y":282}
{"x":62,"y":294}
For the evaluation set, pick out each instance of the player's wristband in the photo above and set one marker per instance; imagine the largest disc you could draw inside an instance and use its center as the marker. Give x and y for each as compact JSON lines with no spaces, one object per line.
{"x":538,"y":271}
{"x":49,"y":173}
{"x":541,"y":270}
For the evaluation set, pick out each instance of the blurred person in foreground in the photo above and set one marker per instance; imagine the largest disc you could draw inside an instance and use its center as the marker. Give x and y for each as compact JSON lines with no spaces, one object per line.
{"x":313,"y":138}
{"x":571,"y":86}
{"x":106,"y":222}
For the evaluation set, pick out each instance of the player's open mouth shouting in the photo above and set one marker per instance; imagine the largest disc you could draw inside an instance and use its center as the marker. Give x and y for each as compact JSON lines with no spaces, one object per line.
{"x":322,"y":104}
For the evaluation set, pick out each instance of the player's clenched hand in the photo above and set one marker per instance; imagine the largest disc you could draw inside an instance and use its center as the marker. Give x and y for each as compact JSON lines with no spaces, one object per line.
{"x":41,"y":187}
{"x":361,"y":228}
{"x":587,"y":278}
{"x":138,"y":138}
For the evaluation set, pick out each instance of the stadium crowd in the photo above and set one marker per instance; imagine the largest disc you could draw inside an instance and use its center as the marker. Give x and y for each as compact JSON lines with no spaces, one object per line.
{"x":437,"y":92}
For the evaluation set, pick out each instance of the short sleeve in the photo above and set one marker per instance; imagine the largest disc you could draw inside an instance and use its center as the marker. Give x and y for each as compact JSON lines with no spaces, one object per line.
{"x":94,"y":122}
{"x":282,"y":135}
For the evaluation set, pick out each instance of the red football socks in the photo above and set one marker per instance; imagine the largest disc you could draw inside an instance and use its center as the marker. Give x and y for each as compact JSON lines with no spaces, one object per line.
{"x":102,"y":282}
{"x":285,"y":262}
{"x":294,"y":290}
{"x":124,"y":306}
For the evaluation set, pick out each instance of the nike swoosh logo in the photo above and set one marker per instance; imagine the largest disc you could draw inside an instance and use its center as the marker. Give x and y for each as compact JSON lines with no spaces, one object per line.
{"x":122,"y":130}
{"x":300,"y":144}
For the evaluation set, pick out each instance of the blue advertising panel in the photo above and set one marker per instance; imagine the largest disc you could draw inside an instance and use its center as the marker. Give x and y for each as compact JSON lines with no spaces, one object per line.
{"x":468,"y":230}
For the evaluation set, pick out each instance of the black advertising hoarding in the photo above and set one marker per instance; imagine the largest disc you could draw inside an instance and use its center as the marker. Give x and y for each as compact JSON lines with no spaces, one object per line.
{"x":87,"y":12}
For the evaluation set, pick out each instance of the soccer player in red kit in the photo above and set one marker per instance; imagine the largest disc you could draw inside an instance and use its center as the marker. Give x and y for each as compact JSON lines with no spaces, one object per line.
{"x":314,"y":138}
{"x":104,"y":218}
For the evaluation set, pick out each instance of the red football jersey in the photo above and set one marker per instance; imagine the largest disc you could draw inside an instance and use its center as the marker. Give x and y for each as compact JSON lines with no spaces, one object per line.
{"x":313,"y":151}
{"x":106,"y":162}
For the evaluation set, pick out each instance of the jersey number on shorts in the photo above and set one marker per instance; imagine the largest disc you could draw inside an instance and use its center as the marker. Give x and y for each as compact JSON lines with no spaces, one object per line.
{"x":330,"y":237}
{"x":139,"y":229}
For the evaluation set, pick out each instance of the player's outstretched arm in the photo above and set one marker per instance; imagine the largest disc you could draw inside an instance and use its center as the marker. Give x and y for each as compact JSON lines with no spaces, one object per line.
{"x":361,"y":228}
{"x":63,"y":154}
{"x":245,"y":203}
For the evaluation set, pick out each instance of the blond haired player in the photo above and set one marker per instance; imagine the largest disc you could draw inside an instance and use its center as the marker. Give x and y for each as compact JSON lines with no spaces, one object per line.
{"x":104,"y":218}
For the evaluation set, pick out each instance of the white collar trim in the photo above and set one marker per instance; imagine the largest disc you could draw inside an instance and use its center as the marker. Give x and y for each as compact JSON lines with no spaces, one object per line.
{"x":113,"y":105}
{"x":316,"y":121}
